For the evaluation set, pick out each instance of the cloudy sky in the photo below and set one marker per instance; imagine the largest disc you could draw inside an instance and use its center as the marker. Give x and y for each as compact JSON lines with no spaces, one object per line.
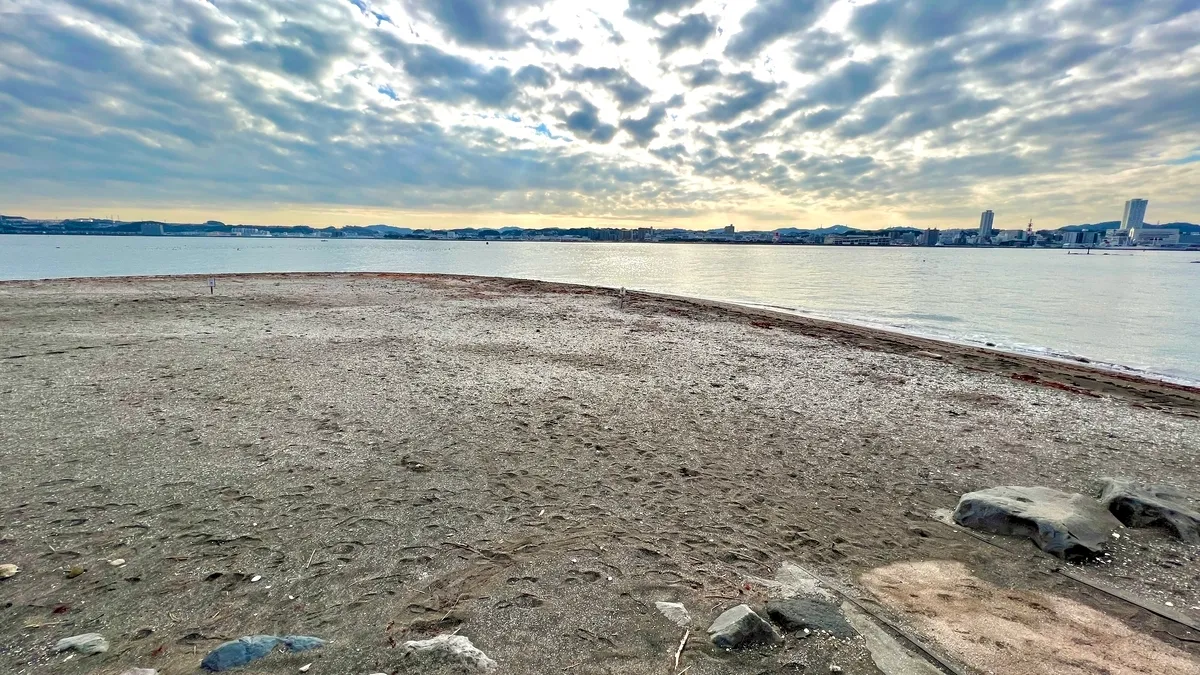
{"x":692,"y":113}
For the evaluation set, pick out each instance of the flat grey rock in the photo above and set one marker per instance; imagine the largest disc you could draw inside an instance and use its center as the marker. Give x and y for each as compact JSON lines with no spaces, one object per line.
{"x":675,"y":613}
{"x":1138,"y":505}
{"x":1065,"y":524}
{"x":739,"y":627}
{"x":447,"y":651}
{"x":797,"y":614}
{"x":86,"y":644}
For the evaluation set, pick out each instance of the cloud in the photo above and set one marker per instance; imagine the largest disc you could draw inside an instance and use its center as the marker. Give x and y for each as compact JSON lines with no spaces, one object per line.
{"x":585,"y":123}
{"x":440,"y":76}
{"x":571,"y":46}
{"x":627,"y":91}
{"x":701,"y":74}
{"x":670,"y":153}
{"x":749,"y":95}
{"x":613,"y":36}
{"x":644,"y":130}
{"x":646,"y":11}
{"x":851,"y":83}
{"x":771,"y":20}
{"x":534,"y":76}
{"x":692,"y":30}
{"x":924,"y":21}
{"x":477,"y":23}
{"x":818,"y":48}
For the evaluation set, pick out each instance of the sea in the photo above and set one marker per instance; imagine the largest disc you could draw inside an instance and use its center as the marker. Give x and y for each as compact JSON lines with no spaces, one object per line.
{"x":1130,"y":310}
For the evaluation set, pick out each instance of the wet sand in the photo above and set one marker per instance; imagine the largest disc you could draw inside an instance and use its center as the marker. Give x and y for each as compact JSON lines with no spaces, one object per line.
{"x":530,"y":464}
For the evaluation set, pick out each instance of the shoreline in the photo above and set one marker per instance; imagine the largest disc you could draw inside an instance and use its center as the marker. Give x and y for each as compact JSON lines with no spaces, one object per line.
{"x":1142,"y":389}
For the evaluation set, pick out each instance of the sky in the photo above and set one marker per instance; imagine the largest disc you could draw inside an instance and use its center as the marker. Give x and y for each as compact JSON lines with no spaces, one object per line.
{"x":646,"y":113}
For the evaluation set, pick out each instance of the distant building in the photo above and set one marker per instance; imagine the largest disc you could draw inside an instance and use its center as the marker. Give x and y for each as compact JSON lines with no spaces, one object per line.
{"x":985,"y":225}
{"x":931,"y":238}
{"x":1117,"y":238}
{"x":1154,"y":236}
{"x":1135,"y":215}
{"x":1080,"y":239}
{"x":152,"y":229}
{"x":1010,"y":236}
{"x":857,"y":240}
{"x":730,"y":229}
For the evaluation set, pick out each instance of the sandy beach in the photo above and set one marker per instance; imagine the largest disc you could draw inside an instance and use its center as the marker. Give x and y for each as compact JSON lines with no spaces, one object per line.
{"x":534,"y":465}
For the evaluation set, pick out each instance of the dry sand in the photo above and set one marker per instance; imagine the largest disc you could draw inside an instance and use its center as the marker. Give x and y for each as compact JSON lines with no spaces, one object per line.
{"x":532,"y":465}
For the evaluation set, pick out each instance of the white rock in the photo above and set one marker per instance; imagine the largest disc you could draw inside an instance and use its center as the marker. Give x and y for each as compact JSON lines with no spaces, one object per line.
{"x":447,"y":650}
{"x":140,"y":671}
{"x":675,"y":613}
{"x":86,"y":644}
{"x":117,"y":562}
{"x":256,"y":578}
{"x":304,"y":668}
{"x":7,"y":571}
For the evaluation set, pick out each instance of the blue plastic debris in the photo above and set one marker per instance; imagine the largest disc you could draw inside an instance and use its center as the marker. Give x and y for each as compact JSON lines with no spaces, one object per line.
{"x":243,"y":650}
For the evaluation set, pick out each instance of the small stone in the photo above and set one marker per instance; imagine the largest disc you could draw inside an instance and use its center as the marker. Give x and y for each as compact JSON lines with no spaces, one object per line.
{"x":835,"y":669}
{"x":304,"y":668}
{"x":140,"y":671}
{"x":739,"y":627}
{"x":447,"y":650}
{"x":7,"y":571}
{"x":1170,"y":604}
{"x":117,"y":562}
{"x":73,"y":571}
{"x":675,"y":613}
{"x":86,"y":644}
{"x":256,"y":578}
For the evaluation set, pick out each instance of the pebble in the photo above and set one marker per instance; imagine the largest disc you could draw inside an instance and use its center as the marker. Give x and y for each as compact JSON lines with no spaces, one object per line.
{"x":7,"y":571}
{"x":675,"y":612}
{"x":140,"y":671}
{"x":73,"y":571}
{"x":256,"y":578}
{"x":86,"y":644}
{"x":117,"y":562}
{"x":304,"y":668}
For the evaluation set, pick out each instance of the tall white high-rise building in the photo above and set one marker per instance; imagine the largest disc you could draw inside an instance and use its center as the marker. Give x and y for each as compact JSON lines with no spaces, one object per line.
{"x":1135,"y":213}
{"x":985,"y":224}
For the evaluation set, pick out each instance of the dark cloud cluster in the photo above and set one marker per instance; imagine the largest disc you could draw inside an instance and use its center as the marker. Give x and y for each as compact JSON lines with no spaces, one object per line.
{"x":627,"y":91}
{"x":692,"y":30}
{"x":771,"y":20}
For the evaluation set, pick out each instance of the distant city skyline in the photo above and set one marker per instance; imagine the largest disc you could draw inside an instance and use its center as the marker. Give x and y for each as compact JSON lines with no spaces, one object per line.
{"x":671,"y":113}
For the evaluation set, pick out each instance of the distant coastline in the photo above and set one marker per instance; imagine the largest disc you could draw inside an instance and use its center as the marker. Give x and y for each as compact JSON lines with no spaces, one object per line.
{"x":837,"y":235}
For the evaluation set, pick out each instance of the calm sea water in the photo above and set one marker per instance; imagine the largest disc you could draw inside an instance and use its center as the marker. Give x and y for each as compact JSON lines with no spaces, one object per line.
{"x":1139,"y":310}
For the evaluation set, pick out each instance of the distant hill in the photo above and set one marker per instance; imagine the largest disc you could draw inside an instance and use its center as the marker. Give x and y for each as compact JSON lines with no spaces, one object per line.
{"x":832,"y":229}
